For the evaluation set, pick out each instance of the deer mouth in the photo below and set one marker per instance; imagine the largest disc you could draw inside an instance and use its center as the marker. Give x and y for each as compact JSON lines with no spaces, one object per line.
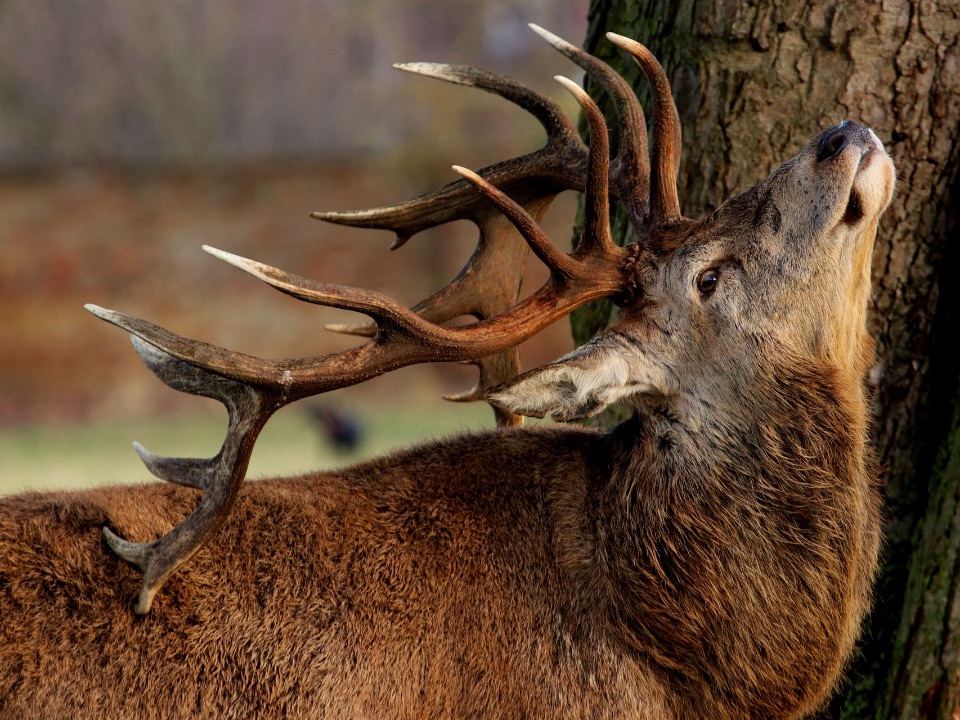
{"x":860,"y":153}
{"x":854,"y":211}
{"x":873,"y":181}
{"x":855,"y":153}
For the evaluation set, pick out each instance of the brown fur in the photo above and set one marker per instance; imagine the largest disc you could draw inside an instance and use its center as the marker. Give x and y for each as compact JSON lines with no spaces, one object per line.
{"x":710,"y":557}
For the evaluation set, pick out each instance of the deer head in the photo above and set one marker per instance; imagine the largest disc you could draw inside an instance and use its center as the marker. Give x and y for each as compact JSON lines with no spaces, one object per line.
{"x":707,"y":304}
{"x":684,"y":288}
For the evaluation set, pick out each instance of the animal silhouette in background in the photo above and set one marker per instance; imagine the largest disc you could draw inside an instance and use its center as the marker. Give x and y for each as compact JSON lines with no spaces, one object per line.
{"x":338,"y":428}
{"x":710,"y":557}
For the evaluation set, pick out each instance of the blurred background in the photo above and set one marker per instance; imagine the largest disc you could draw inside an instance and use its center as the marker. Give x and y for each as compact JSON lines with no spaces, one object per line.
{"x":133,"y":133}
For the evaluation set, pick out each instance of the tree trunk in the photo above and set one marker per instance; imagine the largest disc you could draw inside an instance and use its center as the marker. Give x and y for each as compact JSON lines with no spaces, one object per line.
{"x":754,"y":81}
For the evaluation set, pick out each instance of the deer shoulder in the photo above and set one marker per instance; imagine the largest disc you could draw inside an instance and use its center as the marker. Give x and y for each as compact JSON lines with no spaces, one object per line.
{"x":712,"y":556}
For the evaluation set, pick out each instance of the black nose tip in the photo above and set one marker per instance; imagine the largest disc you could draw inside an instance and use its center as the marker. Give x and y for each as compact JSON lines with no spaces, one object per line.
{"x":834,"y":142}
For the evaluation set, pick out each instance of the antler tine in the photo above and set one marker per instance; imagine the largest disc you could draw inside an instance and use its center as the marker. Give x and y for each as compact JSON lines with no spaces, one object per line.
{"x":250,"y":402}
{"x":475,"y":291}
{"x":219,"y":477}
{"x":630,"y":175}
{"x":596,"y":236}
{"x":665,"y":149}
{"x":340,"y":369}
{"x":549,"y":254}
{"x":492,"y":368}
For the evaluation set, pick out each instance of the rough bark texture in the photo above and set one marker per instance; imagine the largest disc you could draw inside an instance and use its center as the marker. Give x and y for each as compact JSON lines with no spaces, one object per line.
{"x":753,"y":81}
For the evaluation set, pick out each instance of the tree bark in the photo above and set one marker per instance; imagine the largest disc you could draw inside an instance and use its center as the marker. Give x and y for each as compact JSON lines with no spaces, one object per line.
{"x":753,"y":81}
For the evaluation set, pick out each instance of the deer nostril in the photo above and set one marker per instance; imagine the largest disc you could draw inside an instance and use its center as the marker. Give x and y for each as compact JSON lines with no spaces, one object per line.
{"x":833,"y":144}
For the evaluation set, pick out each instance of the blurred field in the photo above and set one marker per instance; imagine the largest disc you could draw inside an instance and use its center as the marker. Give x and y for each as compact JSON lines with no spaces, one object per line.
{"x":132,"y":133}
{"x":97,"y":453}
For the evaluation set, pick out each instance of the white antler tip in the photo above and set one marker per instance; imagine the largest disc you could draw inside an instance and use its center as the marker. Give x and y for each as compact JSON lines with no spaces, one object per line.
{"x":439,"y":71}
{"x":573,"y":88}
{"x":219,"y":254}
{"x":466,"y":172}
{"x":245,"y":264}
{"x":628,"y":44}
{"x":555,"y":40}
{"x":473,"y":394}
{"x":420,"y":68}
{"x":542,"y":32}
{"x":110,"y":316}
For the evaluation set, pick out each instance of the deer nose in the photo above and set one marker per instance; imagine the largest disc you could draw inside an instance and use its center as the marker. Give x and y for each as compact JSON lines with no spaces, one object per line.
{"x":836,"y":140}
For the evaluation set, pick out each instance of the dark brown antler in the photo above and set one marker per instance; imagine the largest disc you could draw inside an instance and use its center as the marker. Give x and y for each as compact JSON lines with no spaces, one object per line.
{"x":490,"y":281}
{"x":253,"y":389}
{"x":664,"y":203}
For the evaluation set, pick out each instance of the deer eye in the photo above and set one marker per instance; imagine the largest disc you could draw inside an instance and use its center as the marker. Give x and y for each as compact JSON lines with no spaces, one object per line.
{"x":707,"y":281}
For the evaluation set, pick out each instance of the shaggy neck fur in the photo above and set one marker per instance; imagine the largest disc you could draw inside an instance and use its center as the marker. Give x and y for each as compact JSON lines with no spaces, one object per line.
{"x":707,"y":530}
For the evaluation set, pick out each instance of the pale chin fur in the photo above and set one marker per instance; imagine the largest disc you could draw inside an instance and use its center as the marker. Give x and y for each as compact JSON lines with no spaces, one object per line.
{"x":874,"y":183}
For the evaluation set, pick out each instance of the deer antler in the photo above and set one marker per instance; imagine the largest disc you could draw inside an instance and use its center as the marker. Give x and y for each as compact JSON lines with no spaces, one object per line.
{"x":252,"y":389}
{"x":489,"y":283}
{"x":664,"y":205}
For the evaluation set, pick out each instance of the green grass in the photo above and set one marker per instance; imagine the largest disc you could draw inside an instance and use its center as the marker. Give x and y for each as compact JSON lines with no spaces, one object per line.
{"x":91,"y":454}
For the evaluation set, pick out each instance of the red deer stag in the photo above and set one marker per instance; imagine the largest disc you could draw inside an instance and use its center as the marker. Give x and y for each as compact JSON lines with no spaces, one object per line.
{"x":711,"y":557}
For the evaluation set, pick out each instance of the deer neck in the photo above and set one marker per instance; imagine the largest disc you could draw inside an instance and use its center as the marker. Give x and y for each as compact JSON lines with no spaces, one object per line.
{"x":704,"y":521}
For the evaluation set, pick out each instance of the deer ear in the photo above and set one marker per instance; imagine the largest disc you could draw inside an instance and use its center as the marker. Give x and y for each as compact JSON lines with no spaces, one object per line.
{"x":582,"y":383}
